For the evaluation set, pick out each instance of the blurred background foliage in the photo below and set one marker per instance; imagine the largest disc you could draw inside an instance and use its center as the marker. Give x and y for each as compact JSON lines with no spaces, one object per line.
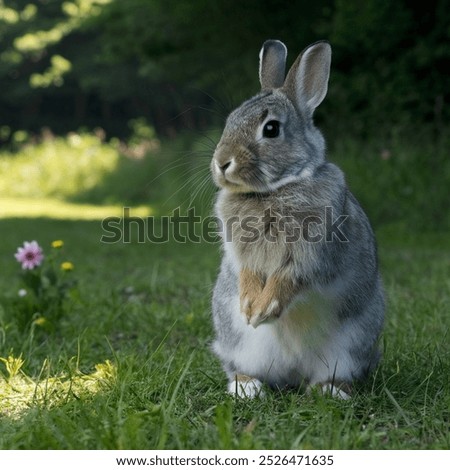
{"x":125,"y":74}
{"x":66,"y":64}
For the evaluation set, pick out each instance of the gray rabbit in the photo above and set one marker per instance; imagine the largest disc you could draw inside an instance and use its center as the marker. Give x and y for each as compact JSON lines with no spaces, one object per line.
{"x":299,"y":299}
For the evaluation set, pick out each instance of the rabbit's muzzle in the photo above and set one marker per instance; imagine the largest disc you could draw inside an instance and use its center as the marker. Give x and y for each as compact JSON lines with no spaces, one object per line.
{"x":229,"y":166}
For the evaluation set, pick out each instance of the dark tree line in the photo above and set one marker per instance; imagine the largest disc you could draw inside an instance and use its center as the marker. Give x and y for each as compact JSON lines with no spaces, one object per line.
{"x":183,"y":65}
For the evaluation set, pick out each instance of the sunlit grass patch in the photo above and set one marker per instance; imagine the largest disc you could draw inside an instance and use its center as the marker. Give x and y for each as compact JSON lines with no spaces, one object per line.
{"x":59,"y":166}
{"x":19,"y":392}
{"x":62,"y":210}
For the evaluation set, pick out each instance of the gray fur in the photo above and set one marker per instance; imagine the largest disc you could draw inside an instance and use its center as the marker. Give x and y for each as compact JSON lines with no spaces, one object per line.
{"x":328,"y":332}
{"x":272,"y":64}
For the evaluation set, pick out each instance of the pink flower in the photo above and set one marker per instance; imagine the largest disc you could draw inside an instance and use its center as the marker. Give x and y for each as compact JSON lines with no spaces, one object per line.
{"x":30,"y":255}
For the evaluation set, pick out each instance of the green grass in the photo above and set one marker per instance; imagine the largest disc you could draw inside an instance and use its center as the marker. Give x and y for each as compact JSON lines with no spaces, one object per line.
{"x":402,"y":181}
{"x":168,"y":391}
{"x":63,"y":210}
{"x":57,"y":167}
{"x":128,"y":365}
{"x":81,"y":168}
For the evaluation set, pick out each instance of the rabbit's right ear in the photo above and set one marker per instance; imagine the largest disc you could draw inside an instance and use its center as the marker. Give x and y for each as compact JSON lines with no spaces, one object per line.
{"x":307,"y":81}
{"x":272,"y":64}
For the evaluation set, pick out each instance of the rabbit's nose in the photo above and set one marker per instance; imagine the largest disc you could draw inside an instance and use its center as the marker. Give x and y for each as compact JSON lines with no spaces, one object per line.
{"x":223,"y":166}
{"x":223,"y":157}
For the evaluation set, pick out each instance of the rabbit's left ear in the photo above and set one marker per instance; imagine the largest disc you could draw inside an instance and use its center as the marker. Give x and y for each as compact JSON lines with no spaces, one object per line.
{"x":272,"y":64}
{"x":307,"y":81}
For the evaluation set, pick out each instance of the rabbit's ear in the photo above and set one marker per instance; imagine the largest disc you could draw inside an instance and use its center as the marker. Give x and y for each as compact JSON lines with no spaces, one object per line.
{"x":272,"y":64}
{"x":307,"y":81}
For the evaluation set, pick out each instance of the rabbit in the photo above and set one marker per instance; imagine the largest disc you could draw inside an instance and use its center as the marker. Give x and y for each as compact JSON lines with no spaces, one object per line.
{"x":299,"y":300}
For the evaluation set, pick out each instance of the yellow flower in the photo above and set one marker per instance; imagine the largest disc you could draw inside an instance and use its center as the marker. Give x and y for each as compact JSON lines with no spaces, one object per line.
{"x":57,"y":244}
{"x":40,"y":321}
{"x":67,"y":266}
{"x":189,"y":318}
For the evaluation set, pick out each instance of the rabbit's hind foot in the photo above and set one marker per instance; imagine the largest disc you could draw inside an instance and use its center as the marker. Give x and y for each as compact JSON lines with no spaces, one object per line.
{"x":245,"y":387}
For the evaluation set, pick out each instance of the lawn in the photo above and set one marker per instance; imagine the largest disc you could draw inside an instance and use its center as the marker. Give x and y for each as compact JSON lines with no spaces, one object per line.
{"x":128,"y":365}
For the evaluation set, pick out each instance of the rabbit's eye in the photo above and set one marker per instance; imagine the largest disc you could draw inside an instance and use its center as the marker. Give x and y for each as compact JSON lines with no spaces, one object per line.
{"x":271,"y":129}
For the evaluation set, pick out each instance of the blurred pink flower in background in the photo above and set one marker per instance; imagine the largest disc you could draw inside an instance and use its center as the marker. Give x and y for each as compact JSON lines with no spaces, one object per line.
{"x":30,"y":255}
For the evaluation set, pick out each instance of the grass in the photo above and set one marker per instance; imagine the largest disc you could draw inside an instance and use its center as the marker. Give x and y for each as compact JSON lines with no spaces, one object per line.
{"x":57,"y":167}
{"x":145,"y":308}
{"x":129,"y":366}
{"x":82,"y":168}
{"x":64,"y":210}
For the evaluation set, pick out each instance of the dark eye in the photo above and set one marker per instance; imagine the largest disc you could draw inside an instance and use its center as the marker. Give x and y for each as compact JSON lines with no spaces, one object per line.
{"x":271,"y":129}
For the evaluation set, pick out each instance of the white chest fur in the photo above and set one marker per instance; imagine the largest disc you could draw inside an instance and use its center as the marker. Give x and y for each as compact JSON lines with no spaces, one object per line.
{"x":306,"y":345}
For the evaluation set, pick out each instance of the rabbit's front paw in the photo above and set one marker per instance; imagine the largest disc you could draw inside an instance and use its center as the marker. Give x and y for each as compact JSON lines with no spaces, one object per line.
{"x":277,"y":294}
{"x":263,"y":309}
{"x":250,"y":289}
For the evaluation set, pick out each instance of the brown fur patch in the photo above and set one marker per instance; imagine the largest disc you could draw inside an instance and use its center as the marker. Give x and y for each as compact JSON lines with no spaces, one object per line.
{"x":243,"y":378}
{"x":250,"y":288}
{"x":276,"y":295}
